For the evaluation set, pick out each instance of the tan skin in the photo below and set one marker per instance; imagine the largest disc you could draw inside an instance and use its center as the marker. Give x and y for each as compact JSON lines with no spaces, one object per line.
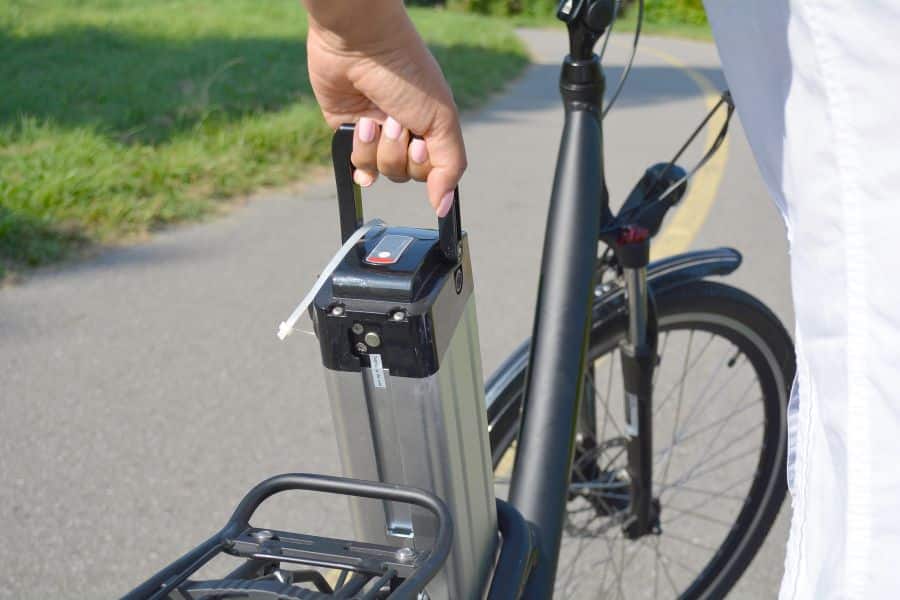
{"x":369,"y":66}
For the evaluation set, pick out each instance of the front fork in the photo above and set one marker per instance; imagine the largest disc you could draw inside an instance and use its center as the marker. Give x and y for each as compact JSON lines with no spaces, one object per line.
{"x":638,"y":362}
{"x":639,"y":359}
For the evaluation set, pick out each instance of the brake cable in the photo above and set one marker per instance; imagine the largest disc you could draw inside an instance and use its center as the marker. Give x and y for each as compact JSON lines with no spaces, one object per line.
{"x":634,"y":47}
{"x":724,"y":99}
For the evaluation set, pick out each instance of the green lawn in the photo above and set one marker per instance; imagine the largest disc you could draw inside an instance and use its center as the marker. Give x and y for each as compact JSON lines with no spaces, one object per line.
{"x":120,"y":116}
{"x":670,"y":18}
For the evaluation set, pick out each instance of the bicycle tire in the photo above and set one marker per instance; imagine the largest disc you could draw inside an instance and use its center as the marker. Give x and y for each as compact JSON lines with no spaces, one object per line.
{"x":738,"y":318}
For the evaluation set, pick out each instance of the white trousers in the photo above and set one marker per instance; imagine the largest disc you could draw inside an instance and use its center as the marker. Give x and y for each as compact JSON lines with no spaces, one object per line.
{"x":817,"y":87}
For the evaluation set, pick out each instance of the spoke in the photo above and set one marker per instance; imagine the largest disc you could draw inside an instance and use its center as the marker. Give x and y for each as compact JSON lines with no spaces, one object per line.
{"x":717,"y":494}
{"x":671,"y":535}
{"x":704,"y":401}
{"x":710,"y":497}
{"x":606,"y":506}
{"x":606,"y":400}
{"x":578,"y":511}
{"x":695,"y":475}
{"x":698,"y":515}
{"x":593,"y":381}
{"x":731,"y":444}
{"x":710,"y":445}
{"x":595,"y":485}
{"x":660,"y":354}
{"x":685,"y":371}
{"x":723,"y":463}
{"x":665,"y":474}
{"x":669,"y":559}
{"x":574,"y":561}
{"x":665,"y":569}
{"x":609,"y":572}
{"x":685,"y":437}
{"x":655,"y":578}
{"x":607,"y":415}
{"x":612,"y":460}
{"x":633,"y":556}
{"x":615,"y":569}
{"x":701,"y":396}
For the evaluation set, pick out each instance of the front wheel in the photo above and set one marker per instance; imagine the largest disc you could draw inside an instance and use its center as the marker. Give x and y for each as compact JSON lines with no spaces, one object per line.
{"x":719,"y":446}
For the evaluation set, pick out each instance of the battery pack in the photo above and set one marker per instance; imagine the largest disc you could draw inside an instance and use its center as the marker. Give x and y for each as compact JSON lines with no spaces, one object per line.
{"x":399,"y":339}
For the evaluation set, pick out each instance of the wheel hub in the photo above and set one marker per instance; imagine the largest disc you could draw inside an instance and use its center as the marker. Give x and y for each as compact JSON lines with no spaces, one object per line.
{"x":600,"y":480}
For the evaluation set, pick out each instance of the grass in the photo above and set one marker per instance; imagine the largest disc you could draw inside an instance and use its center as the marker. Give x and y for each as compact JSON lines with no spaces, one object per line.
{"x":671,"y":18}
{"x":121,"y":116}
{"x":660,"y":18}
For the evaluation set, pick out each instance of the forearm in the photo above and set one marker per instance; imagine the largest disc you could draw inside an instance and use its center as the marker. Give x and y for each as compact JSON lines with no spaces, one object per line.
{"x":355,"y":25}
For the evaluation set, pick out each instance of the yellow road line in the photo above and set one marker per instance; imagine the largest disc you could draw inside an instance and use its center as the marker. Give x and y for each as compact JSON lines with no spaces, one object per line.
{"x":332,"y":576}
{"x":684,"y":225}
{"x":505,"y":466}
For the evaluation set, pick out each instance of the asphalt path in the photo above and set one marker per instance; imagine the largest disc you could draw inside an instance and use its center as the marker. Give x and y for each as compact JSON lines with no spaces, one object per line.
{"x":143,"y":391}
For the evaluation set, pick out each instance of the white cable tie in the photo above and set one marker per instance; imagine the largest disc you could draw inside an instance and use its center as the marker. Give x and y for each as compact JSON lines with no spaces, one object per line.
{"x":286,"y":328}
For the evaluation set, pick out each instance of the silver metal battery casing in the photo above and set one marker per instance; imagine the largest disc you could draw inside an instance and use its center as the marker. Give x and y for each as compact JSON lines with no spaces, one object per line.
{"x":431,"y":433}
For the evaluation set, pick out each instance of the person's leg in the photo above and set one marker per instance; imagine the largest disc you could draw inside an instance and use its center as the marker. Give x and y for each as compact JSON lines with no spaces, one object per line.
{"x":816,"y":84}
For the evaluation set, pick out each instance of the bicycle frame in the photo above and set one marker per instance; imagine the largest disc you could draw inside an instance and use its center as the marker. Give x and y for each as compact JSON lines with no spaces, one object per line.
{"x":578,"y":217}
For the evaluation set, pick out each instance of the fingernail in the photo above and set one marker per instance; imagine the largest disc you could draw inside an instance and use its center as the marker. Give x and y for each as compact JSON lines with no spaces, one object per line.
{"x":362,"y":178}
{"x":392,"y":128}
{"x":366,"y":129}
{"x":417,"y":151}
{"x":444,"y":207}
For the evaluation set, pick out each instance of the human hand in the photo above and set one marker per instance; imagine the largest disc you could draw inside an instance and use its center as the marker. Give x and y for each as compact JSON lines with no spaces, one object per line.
{"x":383,"y":77}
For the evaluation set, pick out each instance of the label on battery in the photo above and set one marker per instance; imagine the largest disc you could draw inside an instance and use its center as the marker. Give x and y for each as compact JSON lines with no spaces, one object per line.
{"x":388,"y":250}
{"x":377,"y":371}
{"x":631,"y":419}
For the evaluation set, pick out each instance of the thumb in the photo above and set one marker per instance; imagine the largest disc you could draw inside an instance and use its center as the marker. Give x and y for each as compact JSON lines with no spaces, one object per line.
{"x":447,"y":154}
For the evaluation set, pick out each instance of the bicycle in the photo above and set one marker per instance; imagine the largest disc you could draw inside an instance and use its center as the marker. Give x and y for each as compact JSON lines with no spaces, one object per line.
{"x":394,"y":314}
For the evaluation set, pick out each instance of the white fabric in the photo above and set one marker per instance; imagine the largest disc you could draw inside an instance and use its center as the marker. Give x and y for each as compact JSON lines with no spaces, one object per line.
{"x":817,"y":87}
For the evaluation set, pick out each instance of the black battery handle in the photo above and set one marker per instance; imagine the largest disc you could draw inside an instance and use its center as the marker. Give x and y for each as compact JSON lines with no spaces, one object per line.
{"x":350,"y":198}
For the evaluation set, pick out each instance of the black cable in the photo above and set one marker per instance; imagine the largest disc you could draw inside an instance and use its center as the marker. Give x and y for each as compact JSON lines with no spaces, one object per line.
{"x":627,"y":70}
{"x":717,"y":143}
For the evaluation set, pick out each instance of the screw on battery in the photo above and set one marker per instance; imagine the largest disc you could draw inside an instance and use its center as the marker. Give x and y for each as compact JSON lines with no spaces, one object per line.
{"x":458,"y":279}
{"x":405,"y":554}
{"x":361,"y":348}
{"x":372,"y":339}
{"x":357,"y":328}
{"x":337,"y":310}
{"x":398,"y":315}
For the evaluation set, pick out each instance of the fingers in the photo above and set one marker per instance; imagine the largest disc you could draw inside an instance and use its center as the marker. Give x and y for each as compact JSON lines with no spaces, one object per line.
{"x":418,"y":165}
{"x":447,"y":154}
{"x":390,"y":149}
{"x":380,"y":149}
{"x":393,"y":148}
{"x":365,"y":152}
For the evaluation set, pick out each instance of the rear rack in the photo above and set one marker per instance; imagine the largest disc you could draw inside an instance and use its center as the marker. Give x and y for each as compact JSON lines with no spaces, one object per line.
{"x":367,"y":571}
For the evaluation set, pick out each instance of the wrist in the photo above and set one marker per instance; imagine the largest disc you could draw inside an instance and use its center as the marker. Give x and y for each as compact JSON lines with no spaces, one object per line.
{"x":366,"y":26}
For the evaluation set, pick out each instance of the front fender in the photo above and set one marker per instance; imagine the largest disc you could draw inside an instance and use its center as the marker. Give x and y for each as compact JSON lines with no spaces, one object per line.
{"x":502,"y":389}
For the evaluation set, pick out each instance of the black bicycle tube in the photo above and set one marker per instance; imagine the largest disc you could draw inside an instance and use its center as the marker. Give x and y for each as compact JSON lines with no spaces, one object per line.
{"x":562,"y":321}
